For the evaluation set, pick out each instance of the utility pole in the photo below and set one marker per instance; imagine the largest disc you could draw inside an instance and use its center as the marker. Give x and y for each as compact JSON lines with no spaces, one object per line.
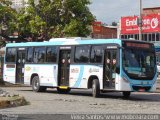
{"x":140,"y":20}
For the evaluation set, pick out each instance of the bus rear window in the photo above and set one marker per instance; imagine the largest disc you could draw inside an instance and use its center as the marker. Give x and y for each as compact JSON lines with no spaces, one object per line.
{"x":11,"y":55}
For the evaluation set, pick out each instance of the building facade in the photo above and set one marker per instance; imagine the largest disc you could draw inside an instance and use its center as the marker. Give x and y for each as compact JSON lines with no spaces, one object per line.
{"x":129,"y":28}
{"x":102,"y":31}
{"x":148,"y":11}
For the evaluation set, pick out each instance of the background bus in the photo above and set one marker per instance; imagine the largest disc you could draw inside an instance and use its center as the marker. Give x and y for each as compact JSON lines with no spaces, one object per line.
{"x":101,"y":64}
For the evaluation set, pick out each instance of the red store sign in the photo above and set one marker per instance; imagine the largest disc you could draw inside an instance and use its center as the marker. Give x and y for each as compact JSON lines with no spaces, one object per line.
{"x":150,"y":23}
{"x":97,"y":27}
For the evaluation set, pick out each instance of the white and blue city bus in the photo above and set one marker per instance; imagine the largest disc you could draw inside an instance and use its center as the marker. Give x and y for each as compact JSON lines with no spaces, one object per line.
{"x":101,"y":64}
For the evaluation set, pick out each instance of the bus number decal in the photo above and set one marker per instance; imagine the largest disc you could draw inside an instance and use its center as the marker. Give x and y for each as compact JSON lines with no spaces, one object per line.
{"x":93,"y":70}
{"x":111,"y":47}
{"x":68,"y":47}
{"x":75,"y":70}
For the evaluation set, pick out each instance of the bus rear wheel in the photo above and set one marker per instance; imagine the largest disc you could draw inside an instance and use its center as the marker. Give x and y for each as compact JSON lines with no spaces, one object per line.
{"x":63,"y":91}
{"x":95,"y":88}
{"x":36,"y":85}
{"x":126,"y":94}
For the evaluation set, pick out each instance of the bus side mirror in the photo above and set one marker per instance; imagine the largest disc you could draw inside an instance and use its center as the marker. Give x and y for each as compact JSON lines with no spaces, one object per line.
{"x":117,"y":70}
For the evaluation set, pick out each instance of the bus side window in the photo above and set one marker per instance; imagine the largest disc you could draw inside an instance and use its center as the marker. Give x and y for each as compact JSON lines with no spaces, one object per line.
{"x":39,"y":55}
{"x":51,"y":55}
{"x":11,"y":55}
{"x":82,"y":54}
{"x":29,"y":54}
{"x":96,"y":54}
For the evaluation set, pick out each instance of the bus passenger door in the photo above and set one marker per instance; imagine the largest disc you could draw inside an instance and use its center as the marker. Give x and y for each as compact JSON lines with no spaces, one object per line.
{"x":20,"y":66}
{"x":64,"y":66}
{"x":109,"y":68}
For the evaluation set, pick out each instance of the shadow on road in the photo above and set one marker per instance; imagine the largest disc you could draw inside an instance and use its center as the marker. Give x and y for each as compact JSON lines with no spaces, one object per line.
{"x":141,"y":97}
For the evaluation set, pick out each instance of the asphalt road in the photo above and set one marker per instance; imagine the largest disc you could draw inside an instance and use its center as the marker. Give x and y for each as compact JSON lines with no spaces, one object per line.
{"x":81,"y":101}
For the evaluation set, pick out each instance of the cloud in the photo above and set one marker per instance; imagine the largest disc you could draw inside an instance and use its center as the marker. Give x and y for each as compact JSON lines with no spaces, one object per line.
{"x":108,"y":11}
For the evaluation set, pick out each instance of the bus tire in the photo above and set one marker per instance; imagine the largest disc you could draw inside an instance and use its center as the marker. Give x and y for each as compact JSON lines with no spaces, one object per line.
{"x":63,"y":91}
{"x":95,"y":88}
{"x":126,"y":94}
{"x":36,"y":85}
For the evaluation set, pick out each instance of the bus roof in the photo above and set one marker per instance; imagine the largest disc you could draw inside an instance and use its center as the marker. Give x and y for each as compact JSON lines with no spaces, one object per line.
{"x":69,"y":42}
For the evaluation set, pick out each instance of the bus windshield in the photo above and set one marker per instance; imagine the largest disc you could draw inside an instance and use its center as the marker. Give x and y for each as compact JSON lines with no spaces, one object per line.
{"x":139,"y":63}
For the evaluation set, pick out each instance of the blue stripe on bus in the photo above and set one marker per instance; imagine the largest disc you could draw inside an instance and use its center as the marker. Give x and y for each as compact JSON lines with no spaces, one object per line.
{"x":77,"y":84}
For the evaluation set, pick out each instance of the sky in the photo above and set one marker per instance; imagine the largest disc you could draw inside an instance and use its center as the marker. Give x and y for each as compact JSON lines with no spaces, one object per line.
{"x":108,"y":11}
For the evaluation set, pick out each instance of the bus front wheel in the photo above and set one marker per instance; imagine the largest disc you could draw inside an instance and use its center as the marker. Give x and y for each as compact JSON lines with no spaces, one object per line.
{"x":36,"y":85}
{"x":95,"y":88}
{"x":126,"y":94}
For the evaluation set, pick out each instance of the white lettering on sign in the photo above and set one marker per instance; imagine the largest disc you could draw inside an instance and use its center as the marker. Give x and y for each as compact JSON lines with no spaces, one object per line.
{"x":131,"y":22}
{"x":153,"y":23}
{"x":146,"y":21}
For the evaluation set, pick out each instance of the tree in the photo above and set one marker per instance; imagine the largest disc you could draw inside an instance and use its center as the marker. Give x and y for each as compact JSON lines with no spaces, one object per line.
{"x":114,"y":24}
{"x":7,"y":19}
{"x":55,"y":18}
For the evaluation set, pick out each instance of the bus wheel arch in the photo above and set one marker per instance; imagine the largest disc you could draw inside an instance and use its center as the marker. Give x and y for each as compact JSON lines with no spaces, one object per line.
{"x":90,"y":80}
{"x":35,"y":82}
{"x":33,"y":75}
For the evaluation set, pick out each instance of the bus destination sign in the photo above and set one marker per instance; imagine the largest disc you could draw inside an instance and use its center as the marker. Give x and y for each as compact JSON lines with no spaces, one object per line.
{"x":138,"y":45}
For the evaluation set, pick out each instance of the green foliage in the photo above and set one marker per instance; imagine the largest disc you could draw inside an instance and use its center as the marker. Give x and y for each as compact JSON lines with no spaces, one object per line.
{"x":55,"y":18}
{"x":114,"y":24}
{"x":7,"y":20}
{"x":7,"y":16}
{"x":47,"y":19}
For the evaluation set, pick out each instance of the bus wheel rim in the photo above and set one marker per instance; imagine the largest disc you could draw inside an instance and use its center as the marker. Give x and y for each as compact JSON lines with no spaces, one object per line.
{"x":94,"y":88}
{"x":36,"y":84}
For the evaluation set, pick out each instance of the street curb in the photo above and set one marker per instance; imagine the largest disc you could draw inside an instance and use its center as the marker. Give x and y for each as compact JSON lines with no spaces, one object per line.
{"x":7,"y":84}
